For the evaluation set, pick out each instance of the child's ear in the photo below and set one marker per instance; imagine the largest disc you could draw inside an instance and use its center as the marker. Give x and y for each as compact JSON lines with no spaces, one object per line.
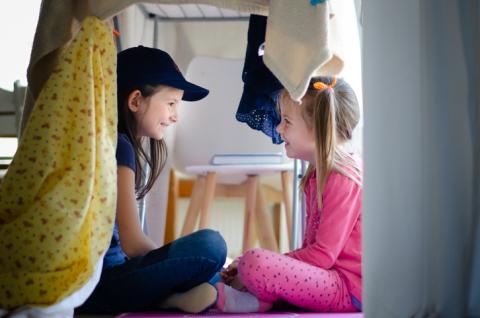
{"x":134,"y":99}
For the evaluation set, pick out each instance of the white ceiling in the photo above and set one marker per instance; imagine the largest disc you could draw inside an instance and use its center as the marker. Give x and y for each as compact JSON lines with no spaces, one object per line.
{"x":191,"y":11}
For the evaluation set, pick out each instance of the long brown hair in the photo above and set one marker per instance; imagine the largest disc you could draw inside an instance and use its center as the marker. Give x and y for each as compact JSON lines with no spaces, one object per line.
{"x":333,"y":112}
{"x":156,"y":157}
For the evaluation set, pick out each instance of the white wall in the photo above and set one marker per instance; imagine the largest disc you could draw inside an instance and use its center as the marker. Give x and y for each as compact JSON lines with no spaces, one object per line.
{"x":18,"y":22}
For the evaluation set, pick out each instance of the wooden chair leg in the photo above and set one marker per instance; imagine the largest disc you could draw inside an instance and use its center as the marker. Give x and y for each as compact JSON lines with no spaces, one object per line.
{"x":264,"y":223}
{"x":207,"y":200}
{"x":248,"y":225}
{"x":287,"y":203}
{"x":277,"y":215}
{"x":171,"y":208}
{"x":194,"y":206}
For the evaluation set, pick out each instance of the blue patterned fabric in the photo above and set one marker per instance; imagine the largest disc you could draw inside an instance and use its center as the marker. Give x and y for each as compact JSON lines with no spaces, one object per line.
{"x":257,"y":107}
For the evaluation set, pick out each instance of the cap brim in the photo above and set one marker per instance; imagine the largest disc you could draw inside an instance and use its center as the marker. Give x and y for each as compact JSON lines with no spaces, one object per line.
{"x":191,"y":92}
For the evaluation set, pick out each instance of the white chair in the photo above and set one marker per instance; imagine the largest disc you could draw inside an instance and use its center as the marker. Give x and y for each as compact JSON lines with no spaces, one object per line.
{"x":209,"y":127}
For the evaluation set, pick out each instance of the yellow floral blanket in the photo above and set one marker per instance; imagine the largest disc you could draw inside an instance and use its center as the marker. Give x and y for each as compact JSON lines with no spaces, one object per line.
{"x":57,"y":200}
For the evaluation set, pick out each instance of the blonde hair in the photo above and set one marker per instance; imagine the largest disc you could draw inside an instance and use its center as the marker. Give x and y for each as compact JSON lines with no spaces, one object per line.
{"x":332,"y":110}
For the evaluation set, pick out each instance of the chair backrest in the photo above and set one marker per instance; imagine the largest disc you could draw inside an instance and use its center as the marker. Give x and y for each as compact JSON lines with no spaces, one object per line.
{"x":7,"y":114}
{"x":11,"y":105}
{"x":209,"y":126}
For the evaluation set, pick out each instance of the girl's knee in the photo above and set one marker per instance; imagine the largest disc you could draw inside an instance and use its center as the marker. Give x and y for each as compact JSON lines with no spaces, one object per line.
{"x":209,"y":235}
{"x":254,"y":260}
{"x":256,"y":255}
{"x":254,"y":268}
{"x":210,"y":244}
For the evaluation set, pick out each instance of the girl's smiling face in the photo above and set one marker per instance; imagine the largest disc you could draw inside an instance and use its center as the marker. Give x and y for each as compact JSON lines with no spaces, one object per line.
{"x":298,"y":136}
{"x":156,"y":113}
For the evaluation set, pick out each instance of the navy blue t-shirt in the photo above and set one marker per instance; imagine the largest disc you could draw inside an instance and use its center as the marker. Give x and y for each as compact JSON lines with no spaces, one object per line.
{"x":125,"y":157}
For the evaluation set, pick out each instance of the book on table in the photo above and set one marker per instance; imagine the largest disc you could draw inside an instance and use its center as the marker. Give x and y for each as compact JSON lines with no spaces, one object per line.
{"x":247,"y":158}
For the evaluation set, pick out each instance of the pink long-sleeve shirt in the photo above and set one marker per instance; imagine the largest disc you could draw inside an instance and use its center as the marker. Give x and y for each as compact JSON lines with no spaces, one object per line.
{"x":333,"y":233}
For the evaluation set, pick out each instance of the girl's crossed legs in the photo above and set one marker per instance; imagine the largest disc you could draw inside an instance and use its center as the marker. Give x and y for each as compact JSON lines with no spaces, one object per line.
{"x":273,"y":277}
{"x":143,"y":282}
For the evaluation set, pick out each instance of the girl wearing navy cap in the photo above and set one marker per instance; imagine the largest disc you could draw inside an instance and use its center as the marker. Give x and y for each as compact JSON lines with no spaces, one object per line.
{"x":137,"y":275}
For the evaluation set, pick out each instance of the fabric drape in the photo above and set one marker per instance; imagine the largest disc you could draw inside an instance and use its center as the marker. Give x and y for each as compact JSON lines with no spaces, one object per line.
{"x":57,"y":200}
{"x":297,"y":44}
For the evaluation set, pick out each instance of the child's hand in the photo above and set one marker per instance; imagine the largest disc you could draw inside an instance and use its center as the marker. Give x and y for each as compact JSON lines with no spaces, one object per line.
{"x":237,"y":284}
{"x":229,"y":274}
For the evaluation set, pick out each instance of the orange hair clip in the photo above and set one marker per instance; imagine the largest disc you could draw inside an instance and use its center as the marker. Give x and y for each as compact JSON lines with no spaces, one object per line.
{"x":320,"y":85}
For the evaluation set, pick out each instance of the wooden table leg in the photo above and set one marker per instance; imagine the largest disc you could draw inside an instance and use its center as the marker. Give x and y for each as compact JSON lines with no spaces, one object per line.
{"x":248,"y":223}
{"x":264,"y":223}
{"x":170,"y":219}
{"x":194,"y":206}
{"x":207,"y":200}
{"x":287,"y":203}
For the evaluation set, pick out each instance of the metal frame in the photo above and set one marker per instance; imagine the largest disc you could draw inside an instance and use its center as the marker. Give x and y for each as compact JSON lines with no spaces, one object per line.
{"x":185,"y":18}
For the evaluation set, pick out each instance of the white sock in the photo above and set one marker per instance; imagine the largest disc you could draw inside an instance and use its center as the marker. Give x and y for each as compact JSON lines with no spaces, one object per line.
{"x":232,"y":300}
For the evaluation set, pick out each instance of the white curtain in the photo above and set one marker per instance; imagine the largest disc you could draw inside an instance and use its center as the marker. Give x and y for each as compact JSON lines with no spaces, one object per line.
{"x":422,"y":129}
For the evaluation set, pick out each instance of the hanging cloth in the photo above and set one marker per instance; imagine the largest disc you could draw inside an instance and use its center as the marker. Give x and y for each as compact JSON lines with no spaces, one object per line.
{"x":257,"y":106}
{"x":297,"y":44}
{"x":57,"y":200}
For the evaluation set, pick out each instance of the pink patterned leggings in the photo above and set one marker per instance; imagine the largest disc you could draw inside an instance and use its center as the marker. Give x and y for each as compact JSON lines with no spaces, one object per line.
{"x":272,"y":277}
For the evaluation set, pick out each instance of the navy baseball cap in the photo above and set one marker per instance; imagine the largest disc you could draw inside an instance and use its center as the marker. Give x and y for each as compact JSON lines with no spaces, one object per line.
{"x":148,"y":66}
{"x":257,"y":106}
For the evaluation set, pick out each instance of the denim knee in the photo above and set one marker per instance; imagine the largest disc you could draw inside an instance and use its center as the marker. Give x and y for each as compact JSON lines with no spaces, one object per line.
{"x":210,"y":244}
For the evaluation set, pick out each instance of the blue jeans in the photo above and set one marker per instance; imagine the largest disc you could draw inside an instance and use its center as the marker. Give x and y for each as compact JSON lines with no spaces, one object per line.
{"x":143,"y":282}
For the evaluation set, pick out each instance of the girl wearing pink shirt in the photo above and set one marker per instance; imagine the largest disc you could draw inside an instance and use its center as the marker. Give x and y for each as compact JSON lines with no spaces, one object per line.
{"x":325,"y":274}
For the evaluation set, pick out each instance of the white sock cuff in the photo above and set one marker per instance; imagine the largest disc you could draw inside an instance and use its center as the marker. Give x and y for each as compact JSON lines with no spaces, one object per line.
{"x":238,"y":301}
